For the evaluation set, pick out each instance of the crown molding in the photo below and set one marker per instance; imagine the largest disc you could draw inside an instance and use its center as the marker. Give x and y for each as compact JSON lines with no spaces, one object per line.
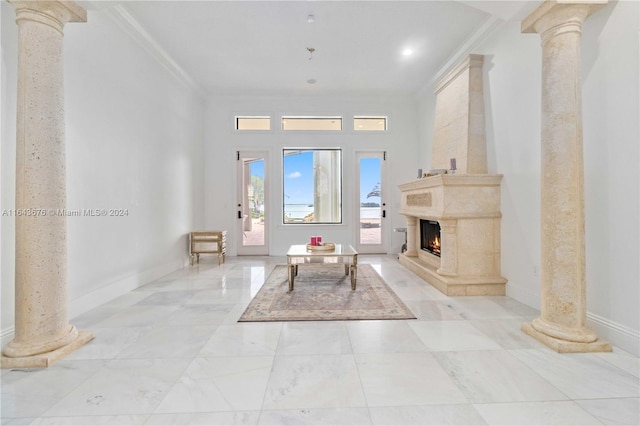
{"x":488,"y":27}
{"x":121,"y":16}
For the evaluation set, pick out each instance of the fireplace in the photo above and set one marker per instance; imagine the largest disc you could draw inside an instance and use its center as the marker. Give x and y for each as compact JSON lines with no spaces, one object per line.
{"x":453,"y":217}
{"x":430,"y":236}
{"x":462,"y":213}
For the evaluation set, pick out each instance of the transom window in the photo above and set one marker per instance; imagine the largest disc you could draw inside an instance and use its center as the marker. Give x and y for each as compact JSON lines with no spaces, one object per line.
{"x":375,"y":124}
{"x":253,"y":123}
{"x":312,"y":186}
{"x":312,"y":123}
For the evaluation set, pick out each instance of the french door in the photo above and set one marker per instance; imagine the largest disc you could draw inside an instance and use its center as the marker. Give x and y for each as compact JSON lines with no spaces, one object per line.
{"x":251,"y":210}
{"x":371,"y":210}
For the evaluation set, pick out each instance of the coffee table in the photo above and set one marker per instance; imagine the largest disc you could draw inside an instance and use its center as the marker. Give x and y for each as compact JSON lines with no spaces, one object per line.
{"x":299,"y":254}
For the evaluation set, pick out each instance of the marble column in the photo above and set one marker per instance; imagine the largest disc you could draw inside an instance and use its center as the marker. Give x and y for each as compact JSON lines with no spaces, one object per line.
{"x":42,"y":331}
{"x":412,"y":236}
{"x":562,"y":323}
{"x":448,"y":248}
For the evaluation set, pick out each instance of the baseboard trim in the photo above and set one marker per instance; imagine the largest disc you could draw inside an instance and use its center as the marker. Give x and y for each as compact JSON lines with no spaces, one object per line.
{"x":6,"y":335}
{"x":109,"y":292}
{"x":523,"y":296}
{"x":119,"y":287}
{"x":619,"y":335}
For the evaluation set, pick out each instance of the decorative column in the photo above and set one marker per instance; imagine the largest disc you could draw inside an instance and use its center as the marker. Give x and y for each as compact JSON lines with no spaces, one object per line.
{"x":562,"y":323}
{"x":412,"y":223}
{"x":449,"y":248}
{"x":42,"y":332}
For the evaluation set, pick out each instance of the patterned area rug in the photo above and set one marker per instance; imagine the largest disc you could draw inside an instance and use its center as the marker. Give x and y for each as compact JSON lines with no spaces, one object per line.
{"x":323,"y":293}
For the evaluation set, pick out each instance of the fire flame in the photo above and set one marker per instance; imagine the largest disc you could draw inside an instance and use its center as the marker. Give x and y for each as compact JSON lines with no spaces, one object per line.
{"x":435,"y":245}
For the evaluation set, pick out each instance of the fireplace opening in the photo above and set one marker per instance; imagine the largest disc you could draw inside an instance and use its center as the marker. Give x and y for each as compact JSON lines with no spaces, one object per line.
{"x":430,"y":236}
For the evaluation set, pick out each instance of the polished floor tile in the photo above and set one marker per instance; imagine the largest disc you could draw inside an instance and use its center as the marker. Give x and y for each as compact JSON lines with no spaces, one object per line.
{"x":31,"y":392}
{"x":238,"y":418}
{"x":305,"y":381}
{"x":615,"y":411}
{"x":536,"y":413}
{"x":459,"y":414}
{"x":316,"y":416}
{"x":243,"y":339}
{"x":108,"y":343}
{"x":310,"y":337}
{"x":406,"y":379}
{"x":496,"y":376}
{"x":219,"y":384}
{"x":506,"y":333}
{"x":173,"y":353}
{"x":125,"y":420}
{"x":441,"y":336}
{"x":126,"y":386}
{"x":580,"y":376}
{"x":383,"y":336}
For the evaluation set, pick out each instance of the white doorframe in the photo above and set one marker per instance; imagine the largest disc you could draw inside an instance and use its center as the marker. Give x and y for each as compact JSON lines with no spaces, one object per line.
{"x":371,"y":231}
{"x":252,"y":232}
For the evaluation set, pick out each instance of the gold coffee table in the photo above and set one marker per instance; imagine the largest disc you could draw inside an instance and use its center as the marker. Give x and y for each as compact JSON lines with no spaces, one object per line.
{"x":299,"y":254}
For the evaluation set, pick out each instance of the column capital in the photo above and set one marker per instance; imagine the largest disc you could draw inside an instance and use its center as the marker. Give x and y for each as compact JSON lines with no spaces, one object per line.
{"x":54,"y":13}
{"x":559,"y":13}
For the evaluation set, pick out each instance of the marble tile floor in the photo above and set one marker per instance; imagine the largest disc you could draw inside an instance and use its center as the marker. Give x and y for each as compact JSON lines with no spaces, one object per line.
{"x":173,"y":353}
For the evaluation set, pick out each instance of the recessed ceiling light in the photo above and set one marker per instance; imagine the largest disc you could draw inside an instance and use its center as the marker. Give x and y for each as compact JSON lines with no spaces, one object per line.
{"x":311,"y":19}
{"x":407,"y":52}
{"x":311,"y":81}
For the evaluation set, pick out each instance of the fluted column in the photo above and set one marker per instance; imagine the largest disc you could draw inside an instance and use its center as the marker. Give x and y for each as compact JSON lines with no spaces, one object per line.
{"x":562,"y":323}
{"x":42,"y":331}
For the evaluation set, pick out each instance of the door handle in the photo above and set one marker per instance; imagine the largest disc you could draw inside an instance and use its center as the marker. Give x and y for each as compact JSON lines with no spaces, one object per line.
{"x":239,"y":214}
{"x":384,"y":213}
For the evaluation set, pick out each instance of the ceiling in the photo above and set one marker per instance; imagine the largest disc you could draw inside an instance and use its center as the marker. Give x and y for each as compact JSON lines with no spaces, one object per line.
{"x":262,"y":47}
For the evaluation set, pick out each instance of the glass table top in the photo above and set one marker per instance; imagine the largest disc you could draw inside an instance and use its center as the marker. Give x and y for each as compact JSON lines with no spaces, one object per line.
{"x":340,"y":250}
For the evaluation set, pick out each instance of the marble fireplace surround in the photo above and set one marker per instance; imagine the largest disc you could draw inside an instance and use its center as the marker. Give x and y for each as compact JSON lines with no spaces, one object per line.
{"x":466,"y":203}
{"x":467,"y":207}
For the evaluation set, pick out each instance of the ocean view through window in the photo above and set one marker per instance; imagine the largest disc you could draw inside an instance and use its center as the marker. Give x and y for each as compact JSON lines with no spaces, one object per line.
{"x":312,"y":186}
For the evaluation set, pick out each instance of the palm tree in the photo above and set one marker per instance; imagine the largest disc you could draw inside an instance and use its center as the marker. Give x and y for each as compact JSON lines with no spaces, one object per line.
{"x":375,"y":192}
{"x":258,"y":193}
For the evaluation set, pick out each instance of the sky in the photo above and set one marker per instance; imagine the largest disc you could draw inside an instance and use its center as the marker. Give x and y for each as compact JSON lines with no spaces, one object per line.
{"x":298,"y":177}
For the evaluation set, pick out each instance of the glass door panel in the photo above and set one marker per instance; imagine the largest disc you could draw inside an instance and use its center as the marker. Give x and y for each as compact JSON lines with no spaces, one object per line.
{"x":371,"y":209}
{"x":252,"y":212}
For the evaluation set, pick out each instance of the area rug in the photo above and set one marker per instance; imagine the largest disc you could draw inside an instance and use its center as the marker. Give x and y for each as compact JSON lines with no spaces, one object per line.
{"x":323,"y":293}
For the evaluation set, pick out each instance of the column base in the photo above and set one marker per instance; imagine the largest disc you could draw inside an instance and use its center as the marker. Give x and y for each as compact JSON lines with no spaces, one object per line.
{"x":46,"y":359}
{"x":566,"y":346}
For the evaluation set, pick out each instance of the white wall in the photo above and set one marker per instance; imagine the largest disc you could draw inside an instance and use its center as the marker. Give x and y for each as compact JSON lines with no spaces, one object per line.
{"x":611,"y":115}
{"x":610,"y":111}
{"x":400,"y":141}
{"x":134,"y":139}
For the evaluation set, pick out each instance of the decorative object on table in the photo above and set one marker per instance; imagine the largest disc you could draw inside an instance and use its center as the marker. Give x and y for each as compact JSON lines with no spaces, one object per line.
{"x":435,"y":172}
{"x":324,"y":294}
{"x":452,"y":165}
{"x":323,"y":247}
{"x":316,"y":240}
{"x":420,"y":174}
